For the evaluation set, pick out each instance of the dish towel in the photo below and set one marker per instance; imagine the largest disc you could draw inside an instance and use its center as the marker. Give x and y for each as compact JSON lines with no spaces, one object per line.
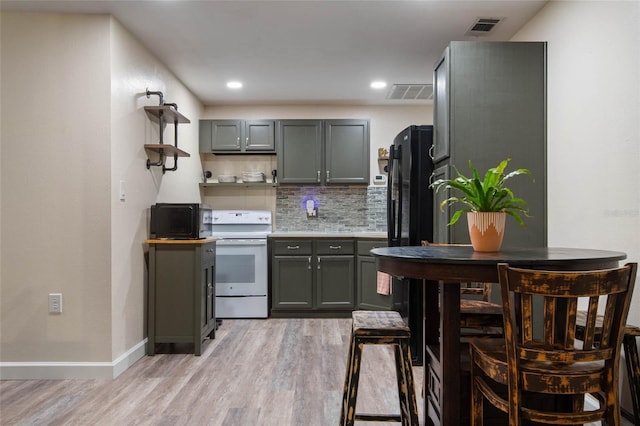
{"x":384,"y":283}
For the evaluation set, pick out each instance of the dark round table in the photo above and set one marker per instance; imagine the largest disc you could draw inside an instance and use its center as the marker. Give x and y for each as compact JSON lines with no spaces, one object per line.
{"x":442,"y":268}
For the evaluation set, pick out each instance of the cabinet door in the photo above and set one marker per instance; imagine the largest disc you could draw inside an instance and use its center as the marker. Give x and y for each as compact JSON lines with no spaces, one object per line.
{"x":299,"y":146}
{"x":208,"y":300}
{"x":204,"y":136}
{"x":440,"y":148}
{"x":259,"y":135}
{"x":335,"y":282}
{"x":292,"y":282}
{"x":367,"y":286}
{"x":226,"y":135}
{"x":441,"y":217}
{"x":346,"y":151}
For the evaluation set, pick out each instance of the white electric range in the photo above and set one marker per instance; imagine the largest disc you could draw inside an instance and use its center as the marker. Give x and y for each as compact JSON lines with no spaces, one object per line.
{"x":241,"y":262}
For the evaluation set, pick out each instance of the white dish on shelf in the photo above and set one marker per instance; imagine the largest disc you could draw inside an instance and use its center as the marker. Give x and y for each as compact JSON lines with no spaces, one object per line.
{"x":227,"y":179}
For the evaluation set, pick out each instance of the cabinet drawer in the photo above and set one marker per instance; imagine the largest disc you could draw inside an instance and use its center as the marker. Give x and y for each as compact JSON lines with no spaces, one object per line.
{"x":334,"y":247}
{"x":209,"y":254}
{"x":292,"y":247}
{"x":365,"y":246}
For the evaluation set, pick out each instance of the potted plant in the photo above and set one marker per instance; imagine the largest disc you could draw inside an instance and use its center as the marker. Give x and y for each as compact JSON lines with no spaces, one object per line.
{"x":486,"y":202}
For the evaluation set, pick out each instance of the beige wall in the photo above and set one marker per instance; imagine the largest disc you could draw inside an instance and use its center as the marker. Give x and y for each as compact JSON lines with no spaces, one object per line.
{"x":55,"y":188}
{"x":73,"y":127}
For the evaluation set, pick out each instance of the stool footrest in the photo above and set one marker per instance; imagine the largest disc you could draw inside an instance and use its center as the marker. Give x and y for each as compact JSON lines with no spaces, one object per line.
{"x":378,"y":417}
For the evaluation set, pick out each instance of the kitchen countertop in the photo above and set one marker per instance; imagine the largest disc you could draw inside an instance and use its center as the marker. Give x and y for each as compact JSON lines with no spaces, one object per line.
{"x":318,"y":234}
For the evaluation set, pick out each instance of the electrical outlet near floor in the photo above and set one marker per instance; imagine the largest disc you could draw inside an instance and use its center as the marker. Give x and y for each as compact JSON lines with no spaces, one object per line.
{"x":55,"y":303}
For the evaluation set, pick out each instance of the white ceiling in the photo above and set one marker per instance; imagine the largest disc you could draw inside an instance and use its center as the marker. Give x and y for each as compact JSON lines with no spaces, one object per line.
{"x":314,"y":51}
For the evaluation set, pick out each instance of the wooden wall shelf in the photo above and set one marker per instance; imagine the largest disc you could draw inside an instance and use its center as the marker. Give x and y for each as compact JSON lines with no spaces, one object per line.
{"x":166,"y":149}
{"x":169,"y":114}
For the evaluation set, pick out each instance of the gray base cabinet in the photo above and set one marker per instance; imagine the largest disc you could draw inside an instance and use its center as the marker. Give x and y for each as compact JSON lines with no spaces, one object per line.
{"x":368,"y":297}
{"x":181,"y":304}
{"x":312,"y":276}
{"x":490,"y":104}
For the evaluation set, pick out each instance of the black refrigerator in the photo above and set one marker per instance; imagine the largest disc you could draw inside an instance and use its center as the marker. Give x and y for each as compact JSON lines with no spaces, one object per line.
{"x":410,"y":218}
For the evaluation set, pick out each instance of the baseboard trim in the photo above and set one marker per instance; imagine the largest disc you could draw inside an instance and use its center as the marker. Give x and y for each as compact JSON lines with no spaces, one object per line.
{"x":72,"y":370}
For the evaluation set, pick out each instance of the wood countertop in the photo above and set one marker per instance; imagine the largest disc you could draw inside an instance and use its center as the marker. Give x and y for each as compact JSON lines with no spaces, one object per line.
{"x":177,"y":242}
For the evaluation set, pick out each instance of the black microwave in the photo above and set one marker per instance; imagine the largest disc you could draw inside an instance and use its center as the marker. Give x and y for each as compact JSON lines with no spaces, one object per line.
{"x":180,"y":221}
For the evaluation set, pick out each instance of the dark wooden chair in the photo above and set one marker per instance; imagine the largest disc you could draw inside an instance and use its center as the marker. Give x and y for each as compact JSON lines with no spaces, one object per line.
{"x":524,"y":365}
{"x":478,"y":316}
{"x":631,"y":357}
{"x":379,"y":328}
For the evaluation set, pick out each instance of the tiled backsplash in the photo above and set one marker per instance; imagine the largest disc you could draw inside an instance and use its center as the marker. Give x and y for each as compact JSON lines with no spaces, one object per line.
{"x":340,"y":208}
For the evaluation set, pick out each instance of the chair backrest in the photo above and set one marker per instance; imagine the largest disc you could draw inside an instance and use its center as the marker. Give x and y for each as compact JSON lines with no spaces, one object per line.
{"x":560,"y":292}
{"x":482,"y":290}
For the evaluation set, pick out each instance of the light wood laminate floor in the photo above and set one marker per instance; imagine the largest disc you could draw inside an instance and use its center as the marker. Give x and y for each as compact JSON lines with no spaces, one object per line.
{"x":273,"y":372}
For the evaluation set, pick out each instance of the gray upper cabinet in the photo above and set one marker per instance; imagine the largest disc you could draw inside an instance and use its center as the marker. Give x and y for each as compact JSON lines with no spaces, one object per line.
{"x":347,"y":151}
{"x":237,"y":136}
{"x":299,"y":145}
{"x":323,"y":152}
{"x":490,"y":104}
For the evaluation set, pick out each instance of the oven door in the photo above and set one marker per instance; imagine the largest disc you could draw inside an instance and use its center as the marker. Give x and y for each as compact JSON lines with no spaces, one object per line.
{"x":241,"y":267}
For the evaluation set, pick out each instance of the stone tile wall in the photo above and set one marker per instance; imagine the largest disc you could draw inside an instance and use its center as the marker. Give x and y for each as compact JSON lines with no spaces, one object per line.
{"x":340,"y":209}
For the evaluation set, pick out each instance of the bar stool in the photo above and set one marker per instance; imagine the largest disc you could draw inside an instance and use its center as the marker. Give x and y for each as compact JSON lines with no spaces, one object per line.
{"x":379,"y":328}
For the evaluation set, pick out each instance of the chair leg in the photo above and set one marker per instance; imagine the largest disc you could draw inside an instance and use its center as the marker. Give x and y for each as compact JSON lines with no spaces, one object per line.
{"x":633,"y":371}
{"x":476,"y":399}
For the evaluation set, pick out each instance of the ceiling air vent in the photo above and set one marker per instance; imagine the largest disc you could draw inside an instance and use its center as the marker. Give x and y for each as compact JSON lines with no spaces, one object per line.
{"x":410,"y":92}
{"x":483,"y":26}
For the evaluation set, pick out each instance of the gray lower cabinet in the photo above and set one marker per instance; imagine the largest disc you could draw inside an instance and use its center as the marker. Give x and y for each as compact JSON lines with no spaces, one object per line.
{"x":323,"y":151}
{"x":181,"y":304}
{"x":368,"y":297}
{"x":490,"y":104}
{"x":237,"y":136}
{"x":312,"y":276}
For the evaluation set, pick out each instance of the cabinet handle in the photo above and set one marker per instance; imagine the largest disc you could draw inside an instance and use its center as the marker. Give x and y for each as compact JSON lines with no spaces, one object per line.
{"x":318,"y":262}
{"x":247,"y":141}
{"x":238,"y":142}
{"x":209,"y":250}
{"x":293,"y":247}
{"x":328,"y":176}
{"x":431,"y":148}
{"x":335,"y":247}
{"x":309,"y":264}
{"x":318,"y":178}
{"x":433,"y":174}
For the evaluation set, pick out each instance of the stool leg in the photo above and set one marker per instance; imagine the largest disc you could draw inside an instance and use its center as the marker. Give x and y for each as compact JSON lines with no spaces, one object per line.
{"x":633,"y":371}
{"x":347,"y":383}
{"x":406,"y":388}
{"x":351,"y":387}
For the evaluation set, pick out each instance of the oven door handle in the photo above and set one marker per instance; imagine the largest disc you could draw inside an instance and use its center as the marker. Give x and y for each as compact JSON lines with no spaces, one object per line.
{"x":240,"y":242}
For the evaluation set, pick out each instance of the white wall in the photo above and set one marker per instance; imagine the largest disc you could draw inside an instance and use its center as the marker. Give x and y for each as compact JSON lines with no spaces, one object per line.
{"x":593,"y":124}
{"x":133,"y":70}
{"x":593,"y":128}
{"x":73,"y":127}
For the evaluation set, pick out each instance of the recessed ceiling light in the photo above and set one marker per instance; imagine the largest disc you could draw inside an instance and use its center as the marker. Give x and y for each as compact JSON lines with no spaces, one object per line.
{"x":378,"y":85}
{"x":234,"y":85}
